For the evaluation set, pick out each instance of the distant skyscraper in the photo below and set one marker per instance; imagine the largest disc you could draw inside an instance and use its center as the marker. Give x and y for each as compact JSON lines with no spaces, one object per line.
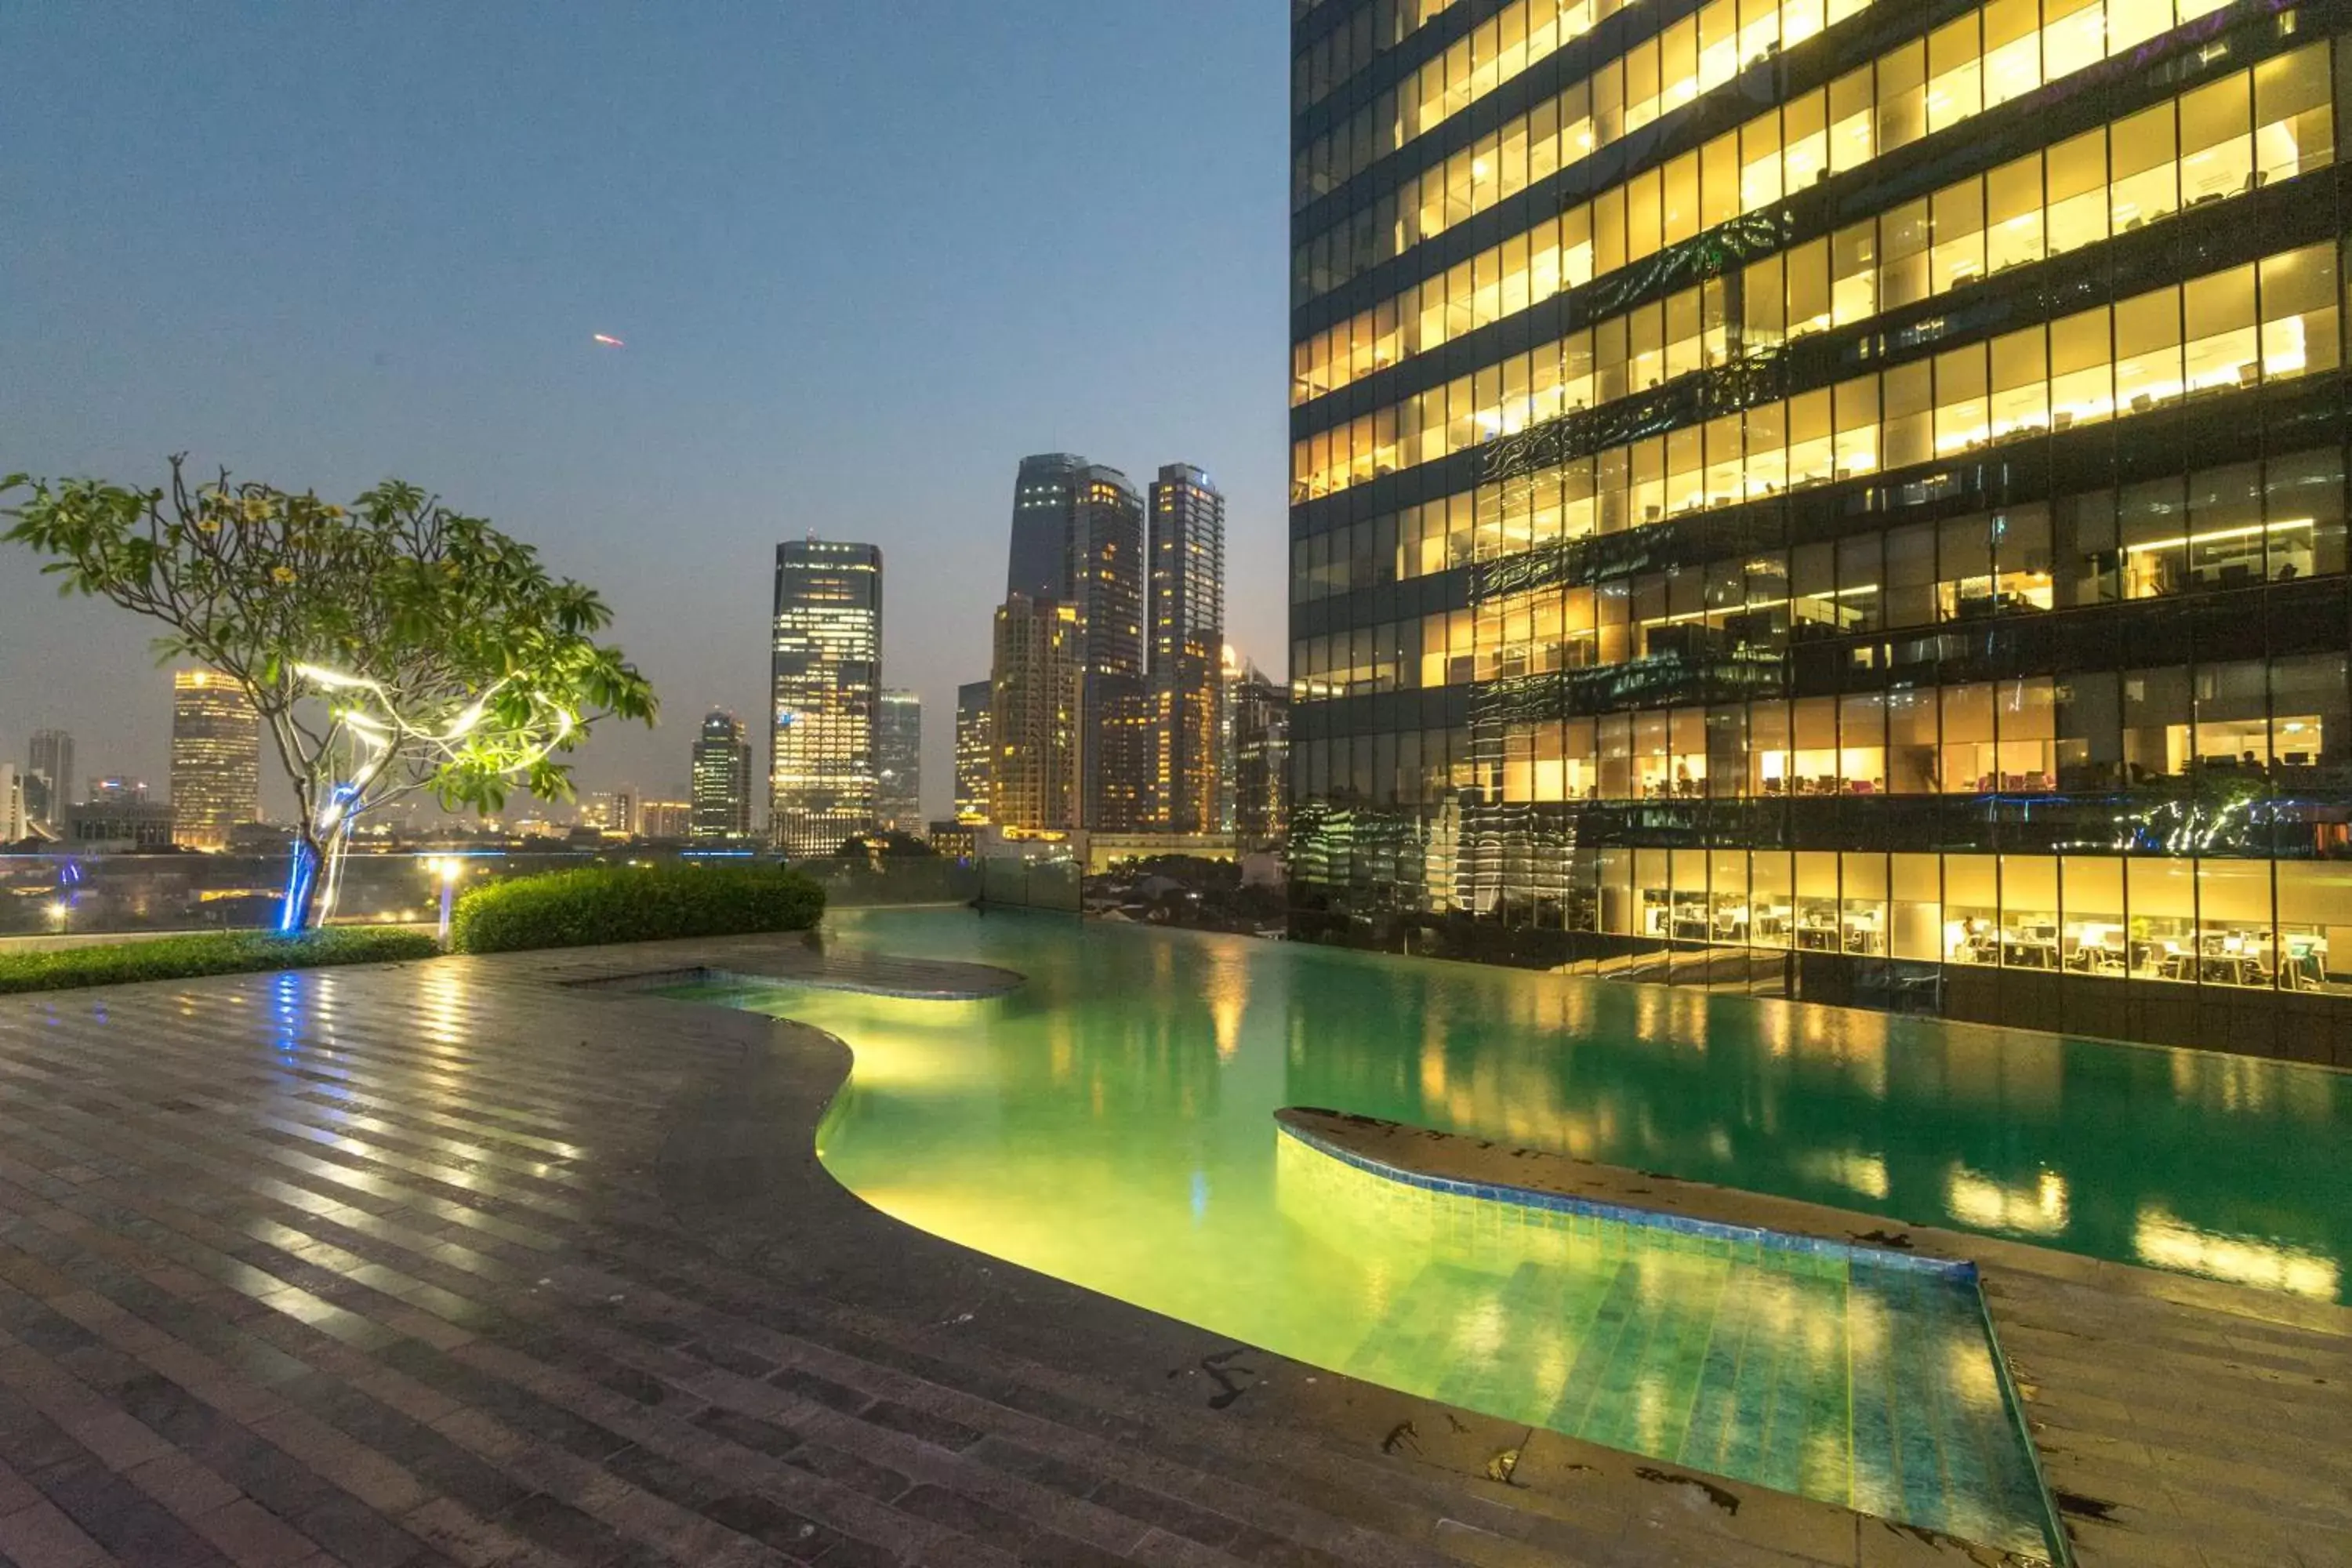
{"x":722,"y":779}
{"x":1035,"y":713}
{"x":665,"y":819}
{"x":216,"y":759}
{"x":972,"y":751}
{"x":49,"y":782}
{"x":1077,"y":538}
{"x":116,"y":789}
{"x":1188,"y":638}
{"x":827,"y":689}
{"x":1257,"y":727}
{"x":14,"y":822}
{"x":899,"y":752}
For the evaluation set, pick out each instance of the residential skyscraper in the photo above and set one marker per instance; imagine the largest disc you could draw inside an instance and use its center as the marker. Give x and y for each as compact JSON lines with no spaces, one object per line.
{"x":1187,"y":620}
{"x":826,"y":691}
{"x":721,"y":780}
{"x":972,"y":751}
{"x":1036,"y":713}
{"x":216,"y":759}
{"x":1077,"y":538}
{"x":899,"y":748}
{"x":1855,"y":509}
{"x":49,"y":781}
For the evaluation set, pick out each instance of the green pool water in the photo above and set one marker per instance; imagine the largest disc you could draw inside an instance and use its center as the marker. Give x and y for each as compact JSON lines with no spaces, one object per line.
{"x":1110,"y":1123}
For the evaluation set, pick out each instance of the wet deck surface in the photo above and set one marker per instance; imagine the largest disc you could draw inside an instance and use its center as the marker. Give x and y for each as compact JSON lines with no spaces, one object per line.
{"x":459,"y":1262}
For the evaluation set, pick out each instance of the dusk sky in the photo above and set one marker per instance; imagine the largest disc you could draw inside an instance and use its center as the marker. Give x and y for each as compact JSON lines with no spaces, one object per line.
{"x":865,"y":254}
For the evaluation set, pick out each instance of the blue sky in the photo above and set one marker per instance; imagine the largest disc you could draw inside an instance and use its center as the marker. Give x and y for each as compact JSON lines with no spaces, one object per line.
{"x":865,"y":254}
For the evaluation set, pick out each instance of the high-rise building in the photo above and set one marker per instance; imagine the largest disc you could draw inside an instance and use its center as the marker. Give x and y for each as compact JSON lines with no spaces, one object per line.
{"x":825,"y":693}
{"x":1187,"y":620}
{"x":49,"y":781}
{"x":721,"y":780}
{"x":14,"y":821}
{"x":972,"y":751}
{"x":1077,"y":538}
{"x":665,"y":819}
{"x":1037,"y":712}
{"x":216,"y":759}
{"x":1875,"y":535}
{"x":117,"y":789}
{"x":1257,"y":738}
{"x":898,"y":750}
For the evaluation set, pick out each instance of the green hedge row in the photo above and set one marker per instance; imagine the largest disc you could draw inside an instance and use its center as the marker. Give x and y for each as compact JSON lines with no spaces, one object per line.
{"x":226,"y":952}
{"x":633,"y":903}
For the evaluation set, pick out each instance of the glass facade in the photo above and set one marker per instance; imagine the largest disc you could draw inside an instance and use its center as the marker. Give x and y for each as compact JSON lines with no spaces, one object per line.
{"x":1832,"y":499}
{"x":826,"y":699}
{"x":216,"y":759}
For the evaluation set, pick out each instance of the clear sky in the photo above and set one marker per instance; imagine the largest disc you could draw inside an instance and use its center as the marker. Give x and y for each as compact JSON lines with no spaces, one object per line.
{"x":865,"y":254}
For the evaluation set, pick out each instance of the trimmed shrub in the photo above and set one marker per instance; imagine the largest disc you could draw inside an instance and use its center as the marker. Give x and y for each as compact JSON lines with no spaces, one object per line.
{"x":226,"y":953}
{"x":633,"y":903}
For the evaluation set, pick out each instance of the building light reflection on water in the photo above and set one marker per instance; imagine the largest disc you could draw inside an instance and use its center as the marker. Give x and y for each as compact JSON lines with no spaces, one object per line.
{"x":2164,"y":1242}
{"x":1983,"y":1204}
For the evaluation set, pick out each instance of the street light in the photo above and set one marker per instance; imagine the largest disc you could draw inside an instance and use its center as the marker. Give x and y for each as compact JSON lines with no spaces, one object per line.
{"x":61,"y":912}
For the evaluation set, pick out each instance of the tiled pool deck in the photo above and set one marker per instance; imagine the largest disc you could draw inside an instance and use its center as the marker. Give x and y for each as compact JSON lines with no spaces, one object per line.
{"x":459,"y":1262}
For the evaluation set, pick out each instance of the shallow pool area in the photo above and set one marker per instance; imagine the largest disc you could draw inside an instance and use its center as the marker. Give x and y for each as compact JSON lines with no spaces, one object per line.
{"x":1111,"y":1123}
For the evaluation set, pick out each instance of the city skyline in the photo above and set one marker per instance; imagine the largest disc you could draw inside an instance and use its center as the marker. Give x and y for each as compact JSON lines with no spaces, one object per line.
{"x":778,"y":373}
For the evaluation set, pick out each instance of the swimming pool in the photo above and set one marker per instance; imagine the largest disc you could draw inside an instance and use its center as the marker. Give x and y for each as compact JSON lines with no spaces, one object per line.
{"x":1110,"y":1123}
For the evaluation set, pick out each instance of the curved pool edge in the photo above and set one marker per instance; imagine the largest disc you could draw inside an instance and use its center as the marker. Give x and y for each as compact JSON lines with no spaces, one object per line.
{"x":738,"y":1168}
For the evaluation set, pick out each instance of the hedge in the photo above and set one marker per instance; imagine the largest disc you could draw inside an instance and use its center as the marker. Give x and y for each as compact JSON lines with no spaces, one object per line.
{"x":633,"y":903}
{"x":225,"y":952}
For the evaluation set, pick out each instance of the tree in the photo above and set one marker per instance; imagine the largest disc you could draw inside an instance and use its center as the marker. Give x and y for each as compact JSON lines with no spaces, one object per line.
{"x":389,"y":649}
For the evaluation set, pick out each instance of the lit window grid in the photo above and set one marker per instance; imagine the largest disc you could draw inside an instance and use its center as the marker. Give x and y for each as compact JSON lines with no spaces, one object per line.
{"x":1926,"y":85}
{"x":1692,"y":56}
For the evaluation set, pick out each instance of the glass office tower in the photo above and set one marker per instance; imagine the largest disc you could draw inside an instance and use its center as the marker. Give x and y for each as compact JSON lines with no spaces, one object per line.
{"x":824,"y":694}
{"x":1830,"y":497}
{"x":216,"y":759}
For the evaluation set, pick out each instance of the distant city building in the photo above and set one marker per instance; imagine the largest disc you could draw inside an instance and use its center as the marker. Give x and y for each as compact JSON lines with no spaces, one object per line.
{"x":216,"y":759}
{"x":116,"y":822}
{"x":613,"y":811}
{"x":1257,"y":730}
{"x":972,"y":751}
{"x":116,"y":789}
{"x":1036,"y":714}
{"x":1232,"y":666}
{"x":954,"y":838}
{"x":898,"y":750}
{"x":14,"y":822}
{"x":723,"y":780}
{"x":49,"y":782}
{"x":1187,"y":617}
{"x":669,"y":819}
{"x":1077,"y":539}
{"x":827,"y":686}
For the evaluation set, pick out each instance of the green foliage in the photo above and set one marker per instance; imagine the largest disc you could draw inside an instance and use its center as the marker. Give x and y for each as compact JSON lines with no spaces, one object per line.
{"x":186,"y":957}
{"x":393,"y":647}
{"x":633,"y":903}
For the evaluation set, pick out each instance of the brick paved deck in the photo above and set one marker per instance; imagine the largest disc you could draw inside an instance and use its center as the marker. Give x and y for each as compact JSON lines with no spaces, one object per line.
{"x":451,"y":1262}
